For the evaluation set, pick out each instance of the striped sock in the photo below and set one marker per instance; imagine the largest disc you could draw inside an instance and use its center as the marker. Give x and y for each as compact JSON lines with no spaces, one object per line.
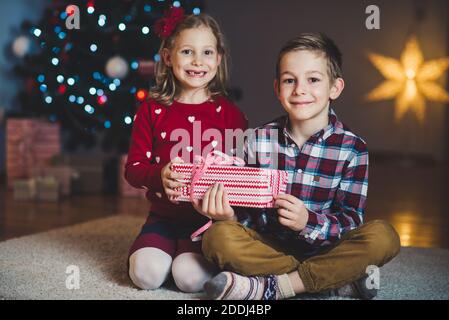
{"x":231,"y":286}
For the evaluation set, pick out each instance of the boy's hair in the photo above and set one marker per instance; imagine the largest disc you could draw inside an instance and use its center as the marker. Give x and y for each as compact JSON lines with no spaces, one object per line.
{"x":167,"y":87}
{"x":317,"y":42}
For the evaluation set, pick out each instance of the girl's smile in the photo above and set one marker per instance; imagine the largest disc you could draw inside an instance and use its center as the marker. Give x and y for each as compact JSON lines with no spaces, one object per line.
{"x":194,"y":60}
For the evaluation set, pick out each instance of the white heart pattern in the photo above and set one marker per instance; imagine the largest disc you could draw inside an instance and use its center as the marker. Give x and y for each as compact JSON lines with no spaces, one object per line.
{"x":148,"y":154}
{"x":163,"y":134}
{"x":219,"y":109}
{"x":191,"y":119}
{"x":214,"y":143}
{"x":136,"y":163}
{"x":158,"y":111}
{"x":135,"y":116}
{"x":158,"y":159}
{"x":189,"y":149}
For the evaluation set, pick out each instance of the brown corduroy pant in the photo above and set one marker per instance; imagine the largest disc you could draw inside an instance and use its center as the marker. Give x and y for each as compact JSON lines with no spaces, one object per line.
{"x":234,"y":247}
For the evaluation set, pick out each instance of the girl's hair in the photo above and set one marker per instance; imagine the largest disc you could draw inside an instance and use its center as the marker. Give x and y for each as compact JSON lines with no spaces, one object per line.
{"x":167,"y":86}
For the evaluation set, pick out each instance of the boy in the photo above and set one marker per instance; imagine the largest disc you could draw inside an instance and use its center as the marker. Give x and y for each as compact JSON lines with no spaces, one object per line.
{"x":314,"y":241}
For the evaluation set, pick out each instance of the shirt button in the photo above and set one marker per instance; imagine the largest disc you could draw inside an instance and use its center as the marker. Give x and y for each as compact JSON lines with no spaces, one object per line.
{"x":306,"y":236}
{"x":293,"y":145}
{"x":299,"y":171}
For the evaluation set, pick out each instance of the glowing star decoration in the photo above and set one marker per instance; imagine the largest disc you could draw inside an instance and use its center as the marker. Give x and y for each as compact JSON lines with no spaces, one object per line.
{"x":410,"y":80}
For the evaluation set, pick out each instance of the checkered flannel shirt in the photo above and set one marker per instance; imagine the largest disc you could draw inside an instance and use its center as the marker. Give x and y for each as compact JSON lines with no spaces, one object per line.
{"x":329,"y":173}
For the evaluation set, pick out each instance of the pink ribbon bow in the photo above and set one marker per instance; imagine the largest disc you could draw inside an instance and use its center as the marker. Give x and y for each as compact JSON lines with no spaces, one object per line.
{"x":202,"y":164}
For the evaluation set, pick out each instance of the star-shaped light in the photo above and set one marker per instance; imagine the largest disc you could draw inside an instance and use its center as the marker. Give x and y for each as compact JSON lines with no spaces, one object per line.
{"x":410,"y":80}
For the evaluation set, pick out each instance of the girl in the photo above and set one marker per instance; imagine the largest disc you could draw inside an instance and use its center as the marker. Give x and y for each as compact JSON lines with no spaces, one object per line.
{"x":189,"y":93}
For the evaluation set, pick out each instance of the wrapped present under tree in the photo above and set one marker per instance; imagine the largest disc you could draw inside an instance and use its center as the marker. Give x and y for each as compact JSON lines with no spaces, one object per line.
{"x":30,"y":144}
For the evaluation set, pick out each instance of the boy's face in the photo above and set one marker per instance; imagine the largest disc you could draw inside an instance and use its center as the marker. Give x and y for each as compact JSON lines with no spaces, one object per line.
{"x":304,"y":87}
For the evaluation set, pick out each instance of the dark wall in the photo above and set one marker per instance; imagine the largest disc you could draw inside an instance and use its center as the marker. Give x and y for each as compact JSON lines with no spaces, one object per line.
{"x":257,"y":29}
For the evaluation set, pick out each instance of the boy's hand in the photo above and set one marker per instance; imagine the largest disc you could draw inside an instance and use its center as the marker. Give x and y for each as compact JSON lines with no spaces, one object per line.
{"x":215,"y":204}
{"x":292,"y":212}
{"x":169,"y":181}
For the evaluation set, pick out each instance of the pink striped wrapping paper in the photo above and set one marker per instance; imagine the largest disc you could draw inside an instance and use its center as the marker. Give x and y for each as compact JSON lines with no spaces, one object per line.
{"x":246,"y":186}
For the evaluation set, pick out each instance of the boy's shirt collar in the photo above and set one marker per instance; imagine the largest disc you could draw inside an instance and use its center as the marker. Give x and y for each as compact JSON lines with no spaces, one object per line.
{"x":334,"y":126}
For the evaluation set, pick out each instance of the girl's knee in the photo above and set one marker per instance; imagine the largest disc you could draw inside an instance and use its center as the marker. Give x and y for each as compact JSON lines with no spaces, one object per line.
{"x":188,"y":282}
{"x":190,"y":271}
{"x":147,"y":273}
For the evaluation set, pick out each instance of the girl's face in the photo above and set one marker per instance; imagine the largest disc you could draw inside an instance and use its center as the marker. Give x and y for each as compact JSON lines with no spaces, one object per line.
{"x":194,"y":58}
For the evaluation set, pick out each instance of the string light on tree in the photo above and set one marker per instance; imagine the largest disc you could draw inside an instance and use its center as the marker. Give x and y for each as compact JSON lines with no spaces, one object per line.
{"x":145,"y":30}
{"x":66,"y":71}
{"x":37,"y":32}
{"x":128,"y":120}
{"x":122,"y":27}
{"x":102,"y":100}
{"x":141,"y":94}
{"x":90,"y":7}
{"x":62,"y":89}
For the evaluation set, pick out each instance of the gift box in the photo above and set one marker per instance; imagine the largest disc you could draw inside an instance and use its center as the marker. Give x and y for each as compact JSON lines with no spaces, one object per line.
{"x":47,"y":189}
{"x":125,"y":189}
{"x":24,"y":189}
{"x":246,"y":186}
{"x":30,"y":144}
{"x":88,"y":171}
{"x":65,"y":175}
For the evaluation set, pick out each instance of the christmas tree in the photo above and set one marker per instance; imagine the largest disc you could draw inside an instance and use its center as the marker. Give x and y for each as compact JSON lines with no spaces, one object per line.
{"x":90,"y":74}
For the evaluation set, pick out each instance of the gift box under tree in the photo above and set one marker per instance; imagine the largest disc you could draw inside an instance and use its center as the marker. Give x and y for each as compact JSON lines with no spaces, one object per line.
{"x":40,"y":188}
{"x":65,"y":176}
{"x":245,"y":186}
{"x":89,"y":169}
{"x":30,"y":144}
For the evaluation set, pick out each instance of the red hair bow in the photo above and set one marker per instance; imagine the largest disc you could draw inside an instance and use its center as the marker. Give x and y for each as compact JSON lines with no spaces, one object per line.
{"x":165,"y":26}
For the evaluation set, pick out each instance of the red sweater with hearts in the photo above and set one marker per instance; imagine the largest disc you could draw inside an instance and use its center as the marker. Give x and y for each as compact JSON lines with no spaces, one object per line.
{"x":184,"y":130}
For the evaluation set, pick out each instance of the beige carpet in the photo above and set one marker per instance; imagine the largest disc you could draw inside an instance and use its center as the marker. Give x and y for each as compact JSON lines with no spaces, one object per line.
{"x":34,"y":267}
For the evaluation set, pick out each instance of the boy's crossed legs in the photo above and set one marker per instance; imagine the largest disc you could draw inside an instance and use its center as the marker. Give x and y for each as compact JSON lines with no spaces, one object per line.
{"x":270,"y":273}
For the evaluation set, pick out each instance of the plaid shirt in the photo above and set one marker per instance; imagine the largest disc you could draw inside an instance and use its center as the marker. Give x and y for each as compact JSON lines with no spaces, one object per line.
{"x":329,"y":173}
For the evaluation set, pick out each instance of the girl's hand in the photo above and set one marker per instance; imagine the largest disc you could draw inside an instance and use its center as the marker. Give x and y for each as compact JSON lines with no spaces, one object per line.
{"x":215,"y":204}
{"x":169,"y":180}
{"x":292,"y":212}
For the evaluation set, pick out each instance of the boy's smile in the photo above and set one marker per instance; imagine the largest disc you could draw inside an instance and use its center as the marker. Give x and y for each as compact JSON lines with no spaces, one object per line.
{"x":304,"y":87}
